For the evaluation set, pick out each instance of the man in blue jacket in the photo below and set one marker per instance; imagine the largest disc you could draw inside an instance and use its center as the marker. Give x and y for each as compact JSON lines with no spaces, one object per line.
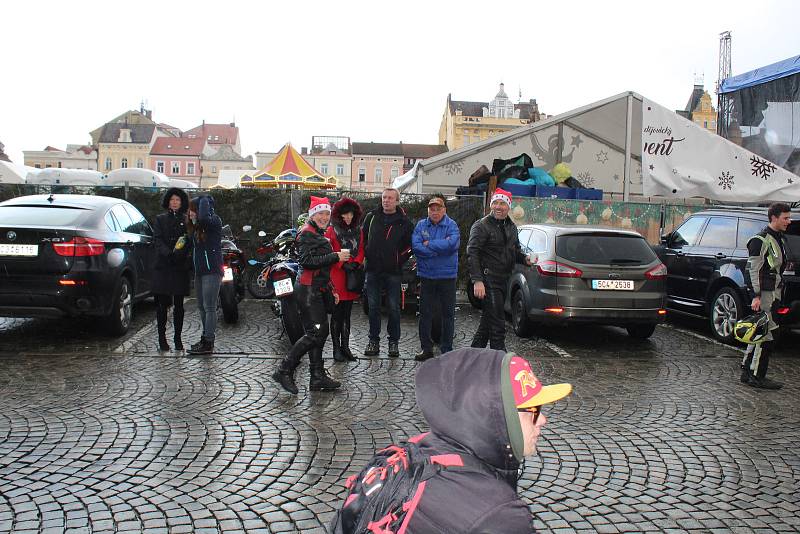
{"x":435,"y":243}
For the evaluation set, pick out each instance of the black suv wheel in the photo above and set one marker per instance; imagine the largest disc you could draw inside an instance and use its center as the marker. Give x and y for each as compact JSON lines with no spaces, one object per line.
{"x":519,"y":315}
{"x":726,"y":308}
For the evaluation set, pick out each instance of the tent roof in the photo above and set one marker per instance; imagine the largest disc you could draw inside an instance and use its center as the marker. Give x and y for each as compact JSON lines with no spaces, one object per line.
{"x":603,"y":120}
{"x":288,"y":163}
{"x":768,"y":73}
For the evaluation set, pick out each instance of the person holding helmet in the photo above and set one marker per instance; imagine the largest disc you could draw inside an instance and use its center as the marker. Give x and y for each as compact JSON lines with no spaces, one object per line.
{"x":315,"y":297}
{"x":765,"y":267}
{"x":492,"y":250}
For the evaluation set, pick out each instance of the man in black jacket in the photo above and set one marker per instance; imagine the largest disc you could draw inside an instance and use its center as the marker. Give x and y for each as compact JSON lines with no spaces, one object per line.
{"x":387,"y":246}
{"x":484,"y":409}
{"x":492,"y":250}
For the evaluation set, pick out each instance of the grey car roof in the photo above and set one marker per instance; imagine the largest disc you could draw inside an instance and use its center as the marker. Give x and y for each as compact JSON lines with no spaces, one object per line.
{"x":559,"y":229}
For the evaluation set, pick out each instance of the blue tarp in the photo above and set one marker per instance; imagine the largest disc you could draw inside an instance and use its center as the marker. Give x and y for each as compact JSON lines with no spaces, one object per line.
{"x":781,"y":69}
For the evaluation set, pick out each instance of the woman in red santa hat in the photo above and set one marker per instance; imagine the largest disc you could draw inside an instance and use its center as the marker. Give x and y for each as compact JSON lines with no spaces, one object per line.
{"x":316,"y":298}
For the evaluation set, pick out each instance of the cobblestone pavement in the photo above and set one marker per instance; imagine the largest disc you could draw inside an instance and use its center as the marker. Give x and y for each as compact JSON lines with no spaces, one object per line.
{"x":108,"y":435}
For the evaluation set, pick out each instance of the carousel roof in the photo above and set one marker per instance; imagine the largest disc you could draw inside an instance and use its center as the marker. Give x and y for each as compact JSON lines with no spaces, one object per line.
{"x":288,"y":164}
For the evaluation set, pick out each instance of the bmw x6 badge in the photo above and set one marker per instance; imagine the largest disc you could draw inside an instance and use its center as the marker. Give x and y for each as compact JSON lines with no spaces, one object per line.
{"x":11,"y":235}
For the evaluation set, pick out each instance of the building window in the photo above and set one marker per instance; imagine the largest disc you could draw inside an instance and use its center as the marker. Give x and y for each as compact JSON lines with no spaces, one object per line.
{"x":139,"y":163}
{"x":190,"y":169}
{"x":59,"y":164}
{"x":362,"y":174}
{"x":108,"y":164}
{"x":176,"y":167}
{"x":340,"y":170}
{"x":124,"y":163}
{"x":705,"y":124}
{"x":47,"y":166}
{"x":159,"y":166}
{"x":38,"y":166}
{"x":324,"y":169}
{"x":378,"y":174}
{"x":213,"y":170}
{"x":395,"y":173}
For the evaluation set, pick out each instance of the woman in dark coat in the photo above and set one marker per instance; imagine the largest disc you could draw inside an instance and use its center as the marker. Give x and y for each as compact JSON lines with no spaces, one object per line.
{"x":344,"y":232}
{"x":172,"y":266}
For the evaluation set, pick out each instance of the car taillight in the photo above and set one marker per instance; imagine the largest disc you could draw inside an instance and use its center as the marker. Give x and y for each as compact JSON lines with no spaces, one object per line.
{"x":279,"y":275}
{"x":80,"y":246}
{"x":783,"y":310}
{"x":659,"y":272}
{"x":554,"y":268}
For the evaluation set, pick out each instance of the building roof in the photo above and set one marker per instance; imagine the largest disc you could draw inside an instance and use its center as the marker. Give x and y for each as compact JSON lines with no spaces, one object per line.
{"x":694,"y":98}
{"x":527,"y":110}
{"x":216,"y":134}
{"x":140,"y":133}
{"x":378,"y":149}
{"x":3,"y":156}
{"x":225,"y":153}
{"x":411,"y":150}
{"x":178,"y":146}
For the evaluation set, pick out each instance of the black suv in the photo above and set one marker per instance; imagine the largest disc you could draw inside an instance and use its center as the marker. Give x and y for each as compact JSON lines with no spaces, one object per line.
{"x":706,"y":259}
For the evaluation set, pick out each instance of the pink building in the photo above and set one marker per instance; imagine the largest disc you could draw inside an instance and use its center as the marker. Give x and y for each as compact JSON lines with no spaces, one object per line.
{"x":375,"y":165}
{"x":177,"y":157}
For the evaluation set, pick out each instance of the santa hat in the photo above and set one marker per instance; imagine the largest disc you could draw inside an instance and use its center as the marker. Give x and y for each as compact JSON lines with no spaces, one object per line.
{"x":319,"y":204}
{"x":500,"y":194}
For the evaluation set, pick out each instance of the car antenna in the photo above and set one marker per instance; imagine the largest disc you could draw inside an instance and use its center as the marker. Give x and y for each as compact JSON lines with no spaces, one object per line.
{"x":50,"y":198}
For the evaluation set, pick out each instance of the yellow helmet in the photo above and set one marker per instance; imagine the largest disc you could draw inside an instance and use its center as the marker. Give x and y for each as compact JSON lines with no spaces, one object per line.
{"x":752,"y":329}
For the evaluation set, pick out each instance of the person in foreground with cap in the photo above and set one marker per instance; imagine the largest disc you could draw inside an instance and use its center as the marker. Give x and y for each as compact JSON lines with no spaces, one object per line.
{"x":484,"y":409}
{"x":315,"y":297}
{"x":492,"y":250}
{"x":435,"y":243}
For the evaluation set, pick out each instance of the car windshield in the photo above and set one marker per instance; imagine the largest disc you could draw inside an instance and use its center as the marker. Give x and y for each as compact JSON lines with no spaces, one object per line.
{"x":604,"y":249}
{"x":40,"y":215}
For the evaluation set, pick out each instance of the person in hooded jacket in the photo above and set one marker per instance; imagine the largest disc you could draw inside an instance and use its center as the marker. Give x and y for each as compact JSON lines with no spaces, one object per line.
{"x":205,"y":229}
{"x":173,"y":265}
{"x":344,"y":232}
{"x":316,"y":297}
{"x":484,"y":406}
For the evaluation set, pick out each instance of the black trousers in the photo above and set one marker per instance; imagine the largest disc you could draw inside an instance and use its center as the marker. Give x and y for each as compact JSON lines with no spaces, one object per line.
{"x":314,"y":305}
{"x":492,"y":327}
{"x":341,"y":313}
{"x":163,"y":302}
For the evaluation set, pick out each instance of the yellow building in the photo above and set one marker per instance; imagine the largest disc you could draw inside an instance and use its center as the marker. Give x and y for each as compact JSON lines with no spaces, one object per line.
{"x":124,"y":146}
{"x":464,"y":122}
{"x":700,"y":109}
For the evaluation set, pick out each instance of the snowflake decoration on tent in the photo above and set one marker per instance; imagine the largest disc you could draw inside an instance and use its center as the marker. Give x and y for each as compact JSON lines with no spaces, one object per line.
{"x":761,"y":167}
{"x":454,"y":168}
{"x":586,"y":179}
{"x":726,"y":180}
{"x":602,"y":156}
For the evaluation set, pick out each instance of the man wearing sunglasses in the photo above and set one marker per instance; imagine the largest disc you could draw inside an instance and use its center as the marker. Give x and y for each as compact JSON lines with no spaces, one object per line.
{"x":484,"y":409}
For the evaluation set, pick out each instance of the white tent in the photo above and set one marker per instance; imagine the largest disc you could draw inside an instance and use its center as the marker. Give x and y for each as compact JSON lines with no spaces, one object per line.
{"x":183,"y":184}
{"x":55,"y":176}
{"x":11,"y":173}
{"x":137,"y":178}
{"x":408,"y":183}
{"x":603,"y":144}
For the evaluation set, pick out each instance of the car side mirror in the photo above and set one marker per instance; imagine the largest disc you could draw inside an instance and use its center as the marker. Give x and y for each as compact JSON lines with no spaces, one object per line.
{"x":262,"y":233}
{"x":665,"y":238}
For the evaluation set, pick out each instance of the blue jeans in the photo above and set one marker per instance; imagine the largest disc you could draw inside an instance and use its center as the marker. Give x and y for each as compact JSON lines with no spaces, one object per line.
{"x":437,"y":296}
{"x":375,"y":284}
{"x":207,"y":287}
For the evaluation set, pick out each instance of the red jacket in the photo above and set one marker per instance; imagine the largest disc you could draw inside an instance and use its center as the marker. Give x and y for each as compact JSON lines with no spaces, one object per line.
{"x":337,"y":272}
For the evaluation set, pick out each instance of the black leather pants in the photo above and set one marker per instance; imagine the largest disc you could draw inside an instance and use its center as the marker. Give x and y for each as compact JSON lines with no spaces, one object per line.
{"x":314,"y":315}
{"x":492,"y":327}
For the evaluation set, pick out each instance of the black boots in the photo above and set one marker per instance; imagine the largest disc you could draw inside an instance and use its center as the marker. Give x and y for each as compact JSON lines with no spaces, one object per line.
{"x":423,"y":355}
{"x":285,"y":373}
{"x":394,"y":349}
{"x":161,"y":326}
{"x":320,"y":381}
{"x":177,"y":323}
{"x":204,"y":346}
{"x":348,"y":354}
{"x":336,"y":332}
{"x":759,"y":378}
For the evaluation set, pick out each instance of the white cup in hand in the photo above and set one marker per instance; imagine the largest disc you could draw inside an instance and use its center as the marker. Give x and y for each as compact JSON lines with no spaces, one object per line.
{"x":345,"y":254}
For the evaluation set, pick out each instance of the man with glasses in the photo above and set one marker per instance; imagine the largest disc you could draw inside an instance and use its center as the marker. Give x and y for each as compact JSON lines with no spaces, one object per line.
{"x":484,"y":410}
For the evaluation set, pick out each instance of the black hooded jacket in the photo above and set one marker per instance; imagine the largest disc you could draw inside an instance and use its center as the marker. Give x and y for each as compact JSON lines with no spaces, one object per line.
{"x":493,"y":248}
{"x":347,"y":235}
{"x":172,"y":267}
{"x":470,"y":414}
{"x":387,"y":240}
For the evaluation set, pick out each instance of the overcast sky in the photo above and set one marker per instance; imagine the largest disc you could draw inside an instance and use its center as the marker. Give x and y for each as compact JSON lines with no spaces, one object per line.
{"x":373,"y":71}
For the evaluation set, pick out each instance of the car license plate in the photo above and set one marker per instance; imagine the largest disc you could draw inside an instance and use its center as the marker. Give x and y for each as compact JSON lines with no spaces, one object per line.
{"x":283,"y":287}
{"x":614,"y":285}
{"x":227,"y":275}
{"x":19,"y":250}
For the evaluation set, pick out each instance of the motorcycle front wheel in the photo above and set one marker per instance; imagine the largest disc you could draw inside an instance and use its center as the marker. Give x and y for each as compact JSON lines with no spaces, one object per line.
{"x":229,"y":303}
{"x":259,"y":285}
{"x":290,"y":316}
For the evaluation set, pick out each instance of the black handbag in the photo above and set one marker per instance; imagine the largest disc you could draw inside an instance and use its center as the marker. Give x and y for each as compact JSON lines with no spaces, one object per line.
{"x":354,"y":277}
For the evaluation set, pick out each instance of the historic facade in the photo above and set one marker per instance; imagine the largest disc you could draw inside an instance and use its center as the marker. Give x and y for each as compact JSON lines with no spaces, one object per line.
{"x":177,"y":157}
{"x":464,"y":122}
{"x":74,"y":157}
{"x":123,"y":145}
{"x":376,"y":165}
{"x":700,"y":108}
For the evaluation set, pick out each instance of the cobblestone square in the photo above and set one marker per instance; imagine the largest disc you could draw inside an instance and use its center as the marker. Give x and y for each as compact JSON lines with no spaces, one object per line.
{"x":108,"y":435}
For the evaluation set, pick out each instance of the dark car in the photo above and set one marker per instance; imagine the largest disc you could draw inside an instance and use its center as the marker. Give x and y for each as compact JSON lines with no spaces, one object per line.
{"x":586,"y":274}
{"x":73,"y":256}
{"x":706,"y":259}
